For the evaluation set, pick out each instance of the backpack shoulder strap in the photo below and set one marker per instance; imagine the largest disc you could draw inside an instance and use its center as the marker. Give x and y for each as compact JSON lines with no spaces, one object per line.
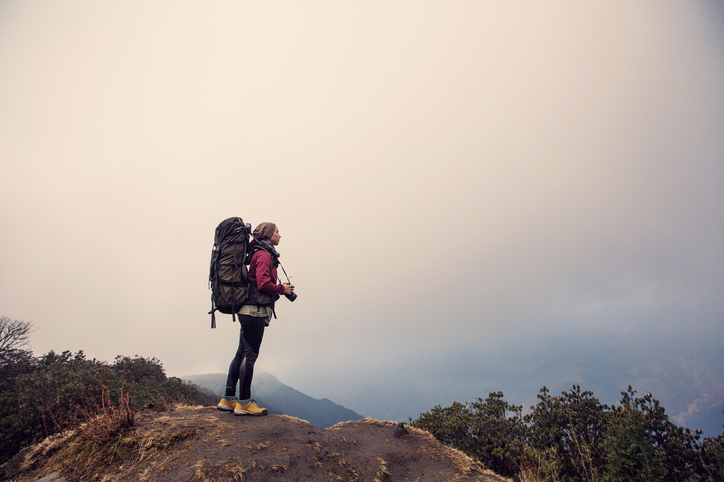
{"x":260,"y":247}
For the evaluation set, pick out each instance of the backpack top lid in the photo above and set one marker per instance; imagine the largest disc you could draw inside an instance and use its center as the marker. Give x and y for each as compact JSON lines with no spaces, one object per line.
{"x":232,"y":228}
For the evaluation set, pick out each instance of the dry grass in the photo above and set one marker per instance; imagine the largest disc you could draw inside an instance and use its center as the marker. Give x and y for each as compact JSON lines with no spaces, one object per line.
{"x":295,"y":419}
{"x":227,"y":471}
{"x":382,"y":474}
{"x":35,"y":455}
{"x":368,"y":421}
{"x":540,"y":466}
{"x":97,"y":448}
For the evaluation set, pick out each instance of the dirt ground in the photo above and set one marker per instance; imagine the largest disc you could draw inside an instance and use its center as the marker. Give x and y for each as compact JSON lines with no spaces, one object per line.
{"x":203,"y":444}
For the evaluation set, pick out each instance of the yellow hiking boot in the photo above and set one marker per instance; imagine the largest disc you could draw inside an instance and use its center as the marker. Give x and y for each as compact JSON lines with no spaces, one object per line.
{"x":226,"y":405}
{"x":250,"y":408}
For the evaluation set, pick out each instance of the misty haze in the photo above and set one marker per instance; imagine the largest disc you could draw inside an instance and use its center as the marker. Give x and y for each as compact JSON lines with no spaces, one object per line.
{"x":472,"y":196}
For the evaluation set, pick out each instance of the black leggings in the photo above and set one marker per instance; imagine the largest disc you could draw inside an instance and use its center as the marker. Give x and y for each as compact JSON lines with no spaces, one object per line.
{"x":252,"y":331}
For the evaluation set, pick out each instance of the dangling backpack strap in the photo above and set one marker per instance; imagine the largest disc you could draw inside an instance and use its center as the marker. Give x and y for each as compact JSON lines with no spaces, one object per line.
{"x":213,"y":315}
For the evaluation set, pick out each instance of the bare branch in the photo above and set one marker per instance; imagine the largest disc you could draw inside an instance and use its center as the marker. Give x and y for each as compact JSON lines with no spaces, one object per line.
{"x":14,"y":334}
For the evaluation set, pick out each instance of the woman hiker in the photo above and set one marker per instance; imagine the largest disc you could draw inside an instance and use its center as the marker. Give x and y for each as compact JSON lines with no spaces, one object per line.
{"x":254,"y":316}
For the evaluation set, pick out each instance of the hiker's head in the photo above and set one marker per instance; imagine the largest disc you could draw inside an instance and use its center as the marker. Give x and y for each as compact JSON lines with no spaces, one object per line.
{"x":267,"y":232}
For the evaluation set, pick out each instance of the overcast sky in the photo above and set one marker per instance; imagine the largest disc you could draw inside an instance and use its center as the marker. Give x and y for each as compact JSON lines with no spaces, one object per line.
{"x":443,"y":174}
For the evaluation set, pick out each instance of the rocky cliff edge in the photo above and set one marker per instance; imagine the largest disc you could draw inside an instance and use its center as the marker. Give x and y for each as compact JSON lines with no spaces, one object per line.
{"x":203,"y":444}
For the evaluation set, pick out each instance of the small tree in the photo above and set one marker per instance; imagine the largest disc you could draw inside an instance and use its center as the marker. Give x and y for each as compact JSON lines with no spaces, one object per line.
{"x":573,"y":425}
{"x":712,"y":457}
{"x":13,"y":335}
{"x":491,"y":430}
{"x":644,"y":445}
{"x":14,"y":362}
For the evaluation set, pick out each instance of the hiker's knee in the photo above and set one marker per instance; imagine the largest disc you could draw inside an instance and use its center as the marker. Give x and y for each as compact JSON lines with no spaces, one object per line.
{"x":250,"y":354}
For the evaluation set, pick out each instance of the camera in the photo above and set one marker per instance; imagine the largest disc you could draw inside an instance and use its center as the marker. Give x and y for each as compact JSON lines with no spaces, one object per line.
{"x":291,"y":296}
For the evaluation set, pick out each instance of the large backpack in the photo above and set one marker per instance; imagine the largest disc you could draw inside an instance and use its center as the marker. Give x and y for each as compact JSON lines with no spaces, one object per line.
{"x":228,"y":272}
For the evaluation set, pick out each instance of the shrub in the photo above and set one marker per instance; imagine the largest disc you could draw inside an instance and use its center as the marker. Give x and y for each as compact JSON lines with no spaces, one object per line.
{"x":490,"y":430}
{"x":45,"y":395}
{"x":573,"y":437}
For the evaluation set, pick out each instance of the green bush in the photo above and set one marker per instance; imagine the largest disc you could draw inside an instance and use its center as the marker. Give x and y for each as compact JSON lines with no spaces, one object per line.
{"x":45,"y":395}
{"x":573,"y":437}
{"x":490,"y":430}
{"x":573,"y":426}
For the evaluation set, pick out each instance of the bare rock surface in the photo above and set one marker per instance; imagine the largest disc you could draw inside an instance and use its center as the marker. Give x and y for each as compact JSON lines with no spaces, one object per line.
{"x":204,"y":444}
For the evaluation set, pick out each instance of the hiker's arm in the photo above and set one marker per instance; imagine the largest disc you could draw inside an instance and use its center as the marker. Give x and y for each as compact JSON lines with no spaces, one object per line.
{"x":264,"y":280}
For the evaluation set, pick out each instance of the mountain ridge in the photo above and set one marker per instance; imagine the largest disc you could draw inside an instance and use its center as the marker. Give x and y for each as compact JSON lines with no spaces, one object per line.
{"x":282,"y":399}
{"x":660,"y":355}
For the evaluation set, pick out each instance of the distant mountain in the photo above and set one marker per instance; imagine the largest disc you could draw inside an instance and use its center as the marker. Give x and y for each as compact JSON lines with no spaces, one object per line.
{"x":674,"y":355}
{"x":685,"y":376}
{"x":282,"y":399}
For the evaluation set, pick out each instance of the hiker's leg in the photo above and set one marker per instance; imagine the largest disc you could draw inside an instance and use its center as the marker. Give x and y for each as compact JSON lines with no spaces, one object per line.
{"x":252,"y":333}
{"x":235,"y":367}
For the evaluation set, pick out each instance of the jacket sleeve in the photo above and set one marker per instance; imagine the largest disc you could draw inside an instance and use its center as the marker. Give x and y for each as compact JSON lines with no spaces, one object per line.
{"x":265,"y":274}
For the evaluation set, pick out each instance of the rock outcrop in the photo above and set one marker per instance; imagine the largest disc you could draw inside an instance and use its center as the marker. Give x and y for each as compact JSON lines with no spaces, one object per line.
{"x":203,"y":444}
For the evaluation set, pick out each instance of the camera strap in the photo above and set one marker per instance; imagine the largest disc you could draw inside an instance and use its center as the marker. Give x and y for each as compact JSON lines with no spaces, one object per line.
{"x":285,"y":273}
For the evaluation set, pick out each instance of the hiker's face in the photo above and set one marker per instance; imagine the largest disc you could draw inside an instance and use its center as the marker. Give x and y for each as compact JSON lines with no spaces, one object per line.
{"x":275,"y":237}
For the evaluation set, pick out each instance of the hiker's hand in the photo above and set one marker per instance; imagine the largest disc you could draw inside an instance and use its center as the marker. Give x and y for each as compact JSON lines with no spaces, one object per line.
{"x":288,"y":289}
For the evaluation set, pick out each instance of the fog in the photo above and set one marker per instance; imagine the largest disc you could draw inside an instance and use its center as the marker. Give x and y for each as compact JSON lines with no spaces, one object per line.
{"x":444,"y":176}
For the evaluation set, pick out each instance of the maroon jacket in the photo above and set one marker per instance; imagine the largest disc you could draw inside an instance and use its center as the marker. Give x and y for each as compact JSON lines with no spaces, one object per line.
{"x":263,"y":273}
